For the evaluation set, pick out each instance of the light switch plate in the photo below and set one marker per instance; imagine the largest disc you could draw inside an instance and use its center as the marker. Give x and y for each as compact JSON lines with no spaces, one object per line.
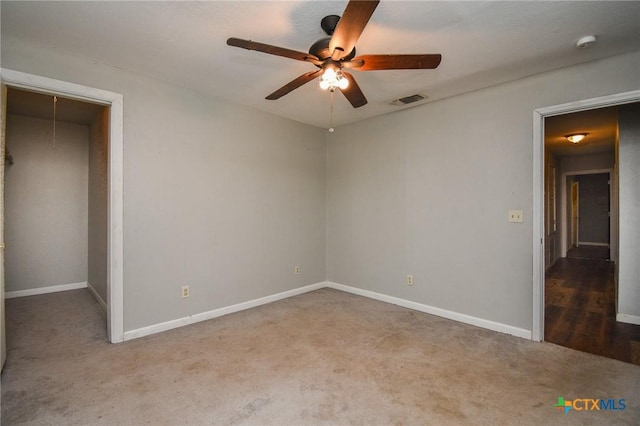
{"x":516,"y":216}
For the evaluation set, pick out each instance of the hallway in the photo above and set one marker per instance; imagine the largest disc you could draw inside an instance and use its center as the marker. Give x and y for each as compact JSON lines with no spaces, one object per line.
{"x":580,"y":310}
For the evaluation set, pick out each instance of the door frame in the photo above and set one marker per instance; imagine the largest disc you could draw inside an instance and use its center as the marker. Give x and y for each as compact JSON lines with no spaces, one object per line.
{"x":575,"y":218}
{"x":539,"y":115}
{"x":3,"y":129}
{"x":115,"y":252}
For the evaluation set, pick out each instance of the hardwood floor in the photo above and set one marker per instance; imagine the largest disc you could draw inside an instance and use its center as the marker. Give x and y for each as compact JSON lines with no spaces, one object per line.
{"x":588,"y":252}
{"x":580,"y":310}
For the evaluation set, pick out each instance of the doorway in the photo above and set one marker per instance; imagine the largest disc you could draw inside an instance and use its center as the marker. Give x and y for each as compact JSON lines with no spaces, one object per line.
{"x":56,"y":180}
{"x":114,"y":212}
{"x":581,"y":286}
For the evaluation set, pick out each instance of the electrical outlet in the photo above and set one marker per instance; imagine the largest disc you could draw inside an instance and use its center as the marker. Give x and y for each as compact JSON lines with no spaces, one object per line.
{"x":296,"y":270}
{"x":409,"y":279}
{"x":516,"y":216}
{"x":185,"y":291}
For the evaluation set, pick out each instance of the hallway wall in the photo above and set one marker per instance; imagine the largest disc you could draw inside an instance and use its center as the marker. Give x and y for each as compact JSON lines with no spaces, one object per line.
{"x":629,"y":175}
{"x":571,"y":167}
{"x":594,"y":209}
{"x":97,"y":272}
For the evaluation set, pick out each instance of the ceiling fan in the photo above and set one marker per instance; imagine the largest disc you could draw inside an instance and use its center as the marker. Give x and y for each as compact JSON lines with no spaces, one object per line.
{"x":337,"y":52}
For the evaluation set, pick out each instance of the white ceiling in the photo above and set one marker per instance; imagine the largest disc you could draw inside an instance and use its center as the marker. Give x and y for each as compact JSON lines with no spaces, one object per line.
{"x":184,"y":43}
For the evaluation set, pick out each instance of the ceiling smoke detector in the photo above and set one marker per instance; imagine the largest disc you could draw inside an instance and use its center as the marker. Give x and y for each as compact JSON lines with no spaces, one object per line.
{"x":408,"y":99}
{"x":586,"y":41}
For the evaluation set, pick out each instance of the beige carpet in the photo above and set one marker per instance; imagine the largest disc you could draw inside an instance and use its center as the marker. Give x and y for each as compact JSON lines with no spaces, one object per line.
{"x":325,"y":357}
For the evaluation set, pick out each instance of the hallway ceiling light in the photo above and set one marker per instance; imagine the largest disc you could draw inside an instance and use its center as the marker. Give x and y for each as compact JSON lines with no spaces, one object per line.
{"x":576,"y":137}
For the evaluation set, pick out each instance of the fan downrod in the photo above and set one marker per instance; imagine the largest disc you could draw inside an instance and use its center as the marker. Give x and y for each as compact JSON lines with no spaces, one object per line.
{"x":329,"y":23}
{"x":320,"y":49}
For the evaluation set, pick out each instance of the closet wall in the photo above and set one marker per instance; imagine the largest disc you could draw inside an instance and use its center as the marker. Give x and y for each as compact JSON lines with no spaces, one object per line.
{"x":46,"y":203}
{"x":98,"y":205}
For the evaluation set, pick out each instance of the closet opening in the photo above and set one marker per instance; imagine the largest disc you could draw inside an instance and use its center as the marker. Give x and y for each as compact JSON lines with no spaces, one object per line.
{"x":56,"y":195}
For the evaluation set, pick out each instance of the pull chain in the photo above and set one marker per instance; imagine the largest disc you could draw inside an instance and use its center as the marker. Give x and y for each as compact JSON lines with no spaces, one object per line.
{"x":55,"y":101}
{"x":331,"y":114}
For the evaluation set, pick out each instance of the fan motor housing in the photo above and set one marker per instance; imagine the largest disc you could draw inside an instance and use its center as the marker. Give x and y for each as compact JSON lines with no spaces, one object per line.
{"x":320,"y":49}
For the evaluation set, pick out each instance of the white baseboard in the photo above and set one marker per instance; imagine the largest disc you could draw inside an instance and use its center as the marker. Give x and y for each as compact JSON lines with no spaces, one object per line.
{"x":587,"y":243}
{"x":203,"y":316}
{"x":168,"y":325}
{"x":629,"y":319}
{"x":455,"y":316}
{"x":96,"y":296}
{"x":467,"y":319}
{"x":44,"y":290}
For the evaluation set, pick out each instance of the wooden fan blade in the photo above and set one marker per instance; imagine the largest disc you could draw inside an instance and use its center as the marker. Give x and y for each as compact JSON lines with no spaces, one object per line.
{"x":353,"y":93}
{"x":350,"y":26}
{"x":394,"y":62}
{"x":294,"y":84}
{"x":273,"y":50}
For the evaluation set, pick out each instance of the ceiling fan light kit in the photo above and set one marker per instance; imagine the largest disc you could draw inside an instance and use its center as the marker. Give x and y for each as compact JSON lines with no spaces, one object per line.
{"x":333,"y":78}
{"x":337,"y":52}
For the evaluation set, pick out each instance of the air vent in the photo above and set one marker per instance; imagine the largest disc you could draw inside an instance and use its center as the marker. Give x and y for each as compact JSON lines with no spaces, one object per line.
{"x":408,"y":100}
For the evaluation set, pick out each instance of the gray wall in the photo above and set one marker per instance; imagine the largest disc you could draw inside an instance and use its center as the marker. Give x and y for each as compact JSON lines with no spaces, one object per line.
{"x":629,"y":202}
{"x":223,"y":198}
{"x":228,"y":199}
{"x":98,"y":204}
{"x":46,"y":204}
{"x":426,"y":192}
{"x":594,"y":208}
